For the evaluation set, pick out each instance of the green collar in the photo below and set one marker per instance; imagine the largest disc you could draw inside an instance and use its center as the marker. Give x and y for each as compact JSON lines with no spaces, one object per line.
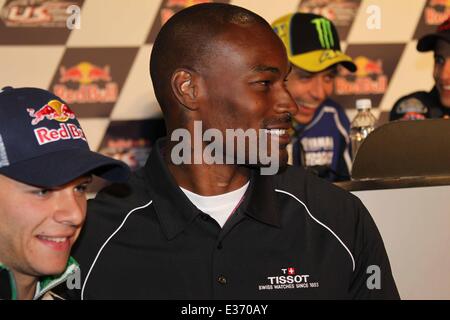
{"x":45,"y":284}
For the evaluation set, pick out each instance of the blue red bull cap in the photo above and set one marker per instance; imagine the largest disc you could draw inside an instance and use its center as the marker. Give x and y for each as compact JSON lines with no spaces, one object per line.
{"x":43,"y":144}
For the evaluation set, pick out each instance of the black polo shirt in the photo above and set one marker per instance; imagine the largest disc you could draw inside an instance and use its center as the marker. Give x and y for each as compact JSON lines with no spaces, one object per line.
{"x":294,"y":236}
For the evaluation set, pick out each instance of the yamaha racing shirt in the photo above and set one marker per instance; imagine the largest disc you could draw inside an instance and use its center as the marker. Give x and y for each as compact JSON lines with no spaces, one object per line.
{"x":325,"y":142}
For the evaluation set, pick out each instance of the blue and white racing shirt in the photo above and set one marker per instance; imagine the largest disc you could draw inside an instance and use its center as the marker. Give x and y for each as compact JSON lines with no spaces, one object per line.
{"x":325,"y":141}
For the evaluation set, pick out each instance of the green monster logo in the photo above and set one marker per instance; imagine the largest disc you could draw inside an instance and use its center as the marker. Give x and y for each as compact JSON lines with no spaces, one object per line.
{"x":323,"y":27}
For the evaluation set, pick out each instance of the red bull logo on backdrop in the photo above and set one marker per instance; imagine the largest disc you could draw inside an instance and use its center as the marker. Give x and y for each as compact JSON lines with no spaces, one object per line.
{"x":89,"y":80}
{"x":86,"y":83}
{"x":53,"y":110}
{"x":376,"y":64}
{"x":368,"y":79}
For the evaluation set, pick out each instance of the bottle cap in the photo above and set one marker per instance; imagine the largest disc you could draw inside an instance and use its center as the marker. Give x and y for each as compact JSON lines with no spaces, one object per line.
{"x":363,"y":104}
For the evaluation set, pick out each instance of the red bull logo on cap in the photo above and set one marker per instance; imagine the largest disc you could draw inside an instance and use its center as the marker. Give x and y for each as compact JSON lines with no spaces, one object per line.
{"x":55,"y":110}
{"x":52,"y":110}
{"x":65,"y":132}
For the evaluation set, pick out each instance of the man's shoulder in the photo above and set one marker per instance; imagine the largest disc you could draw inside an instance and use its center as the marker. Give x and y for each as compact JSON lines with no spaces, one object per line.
{"x":105,"y":215}
{"x":324,"y":204}
{"x":330,"y":103}
{"x":420,"y":94}
{"x":313,"y":190}
{"x":118,"y":199}
{"x":325,"y":117}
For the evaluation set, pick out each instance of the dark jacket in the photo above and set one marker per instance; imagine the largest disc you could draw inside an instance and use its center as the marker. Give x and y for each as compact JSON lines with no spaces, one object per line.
{"x":294,"y":236}
{"x":419,"y":105}
{"x":48,"y":288}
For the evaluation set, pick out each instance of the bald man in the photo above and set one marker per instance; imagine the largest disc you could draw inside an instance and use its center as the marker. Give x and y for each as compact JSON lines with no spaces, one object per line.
{"x":208,"y":218}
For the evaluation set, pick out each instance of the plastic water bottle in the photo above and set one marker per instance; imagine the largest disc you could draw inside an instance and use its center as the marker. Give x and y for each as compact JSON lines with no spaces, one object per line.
{"x":362,"y":125}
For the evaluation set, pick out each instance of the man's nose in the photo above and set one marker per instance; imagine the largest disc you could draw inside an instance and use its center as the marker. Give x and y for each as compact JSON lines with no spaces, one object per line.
{"x":445,"y":71}
{"x":317,"y":90}
{"x":70,"y":209}
{"x":285,"y":103}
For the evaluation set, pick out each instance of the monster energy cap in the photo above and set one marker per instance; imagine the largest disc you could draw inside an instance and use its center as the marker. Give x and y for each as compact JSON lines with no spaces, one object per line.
{"x":311,"y":41}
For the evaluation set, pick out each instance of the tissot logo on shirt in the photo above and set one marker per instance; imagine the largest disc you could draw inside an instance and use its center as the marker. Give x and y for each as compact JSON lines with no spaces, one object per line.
{"x":288,"y":278}
{"x":60,"y":112}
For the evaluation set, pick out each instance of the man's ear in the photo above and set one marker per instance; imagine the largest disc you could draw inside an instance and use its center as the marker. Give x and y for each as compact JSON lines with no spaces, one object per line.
{"x":184,"y":87}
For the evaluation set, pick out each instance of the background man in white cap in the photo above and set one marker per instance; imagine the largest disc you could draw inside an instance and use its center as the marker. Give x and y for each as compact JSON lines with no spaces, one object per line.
{"x":313,"y":48}
{"x":45,"y":168}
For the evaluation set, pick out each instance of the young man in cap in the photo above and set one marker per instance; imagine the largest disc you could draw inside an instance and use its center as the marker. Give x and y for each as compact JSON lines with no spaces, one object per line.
{"x":435,"y":103}
{"x":226,"y":230}
{"x":45,"y":168}
{"x":321,"y":140}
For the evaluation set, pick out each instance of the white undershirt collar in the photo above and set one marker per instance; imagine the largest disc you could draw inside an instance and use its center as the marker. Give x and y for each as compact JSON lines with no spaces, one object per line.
{"x":219,"y":207}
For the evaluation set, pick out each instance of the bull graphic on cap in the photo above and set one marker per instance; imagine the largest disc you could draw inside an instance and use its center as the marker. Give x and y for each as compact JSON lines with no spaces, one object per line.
{"x":53,"y":110}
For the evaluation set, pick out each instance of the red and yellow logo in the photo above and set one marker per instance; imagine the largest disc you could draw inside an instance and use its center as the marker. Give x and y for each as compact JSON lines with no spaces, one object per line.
{"x":52,"y":110}
{"x":368,"y":79}
{"x":86,"y":83}
{"x":84,"y":73}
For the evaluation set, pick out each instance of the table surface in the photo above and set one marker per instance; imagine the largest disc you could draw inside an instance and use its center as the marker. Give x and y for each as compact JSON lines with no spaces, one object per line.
{"x":394,"y":183}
